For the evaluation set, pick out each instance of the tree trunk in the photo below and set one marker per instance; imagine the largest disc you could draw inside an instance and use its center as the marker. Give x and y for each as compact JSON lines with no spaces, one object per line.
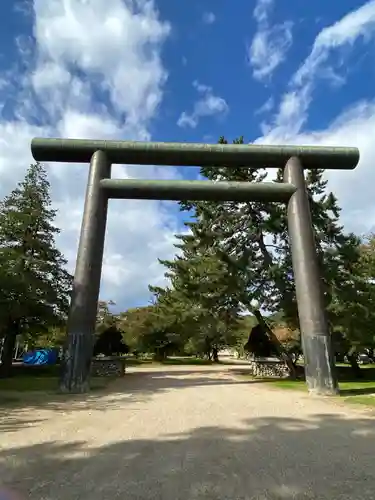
{"x":215,"y":355}
{"x":7,"y":354}
{"x":356,"y":369}
{"x":208,"y":349}
{"x":160,"y":355}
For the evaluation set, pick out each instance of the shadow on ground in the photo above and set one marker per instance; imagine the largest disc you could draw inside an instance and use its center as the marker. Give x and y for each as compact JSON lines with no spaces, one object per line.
{"x":325,"y":457}
{"x":138,"y":385}
{"x":358,"y":391}
{"x":16,"y":410}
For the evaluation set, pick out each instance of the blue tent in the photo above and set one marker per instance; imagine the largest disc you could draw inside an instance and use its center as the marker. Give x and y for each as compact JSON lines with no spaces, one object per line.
{"x":41,"y":357}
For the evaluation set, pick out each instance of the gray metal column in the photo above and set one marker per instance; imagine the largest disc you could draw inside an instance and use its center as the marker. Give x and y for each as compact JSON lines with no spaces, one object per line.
{"x":75,"y":374}
{"x":316,"y":339}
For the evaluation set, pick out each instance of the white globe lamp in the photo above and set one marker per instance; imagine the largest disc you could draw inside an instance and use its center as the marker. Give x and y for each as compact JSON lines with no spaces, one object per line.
{"x":254,"y":304}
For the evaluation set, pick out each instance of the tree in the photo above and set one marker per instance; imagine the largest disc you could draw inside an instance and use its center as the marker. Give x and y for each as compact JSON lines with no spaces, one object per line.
{"x":108,"y":337}
{"x":367,"y":266}
{"x":54,"y":337}
{"x":35,"y":285}
{"x":149,"y":330}
{"x":238,"y":233}
{"x":367,"y":253}
{"x":252,"y":239}
{"x":290,"y":340}
{"x":354,"y":305}
{"x":109,"y":342}
{"x":105,"y":318}
{"x":134,"y":324}
{"x":202,"y":286}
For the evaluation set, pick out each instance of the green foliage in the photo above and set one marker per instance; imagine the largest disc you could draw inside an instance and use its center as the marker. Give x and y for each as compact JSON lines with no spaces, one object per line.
{"x":202,"y":296}
{"x":147,"y":331}
{"x":35,"y":286}
{"x":105,"y":318}
{"x":236,"y":252}
{"x":356,"y":307}
{"x":53,"y":337}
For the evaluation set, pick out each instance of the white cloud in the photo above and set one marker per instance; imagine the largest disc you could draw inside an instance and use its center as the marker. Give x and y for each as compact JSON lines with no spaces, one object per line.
{"x":119,"y":54}
{"x":94,"y":71}
{"x":208,"y":105}
{"x":209,"y":18}
{"x":354,"y":188}
{"x":294,"y":106}
{"x":353,"y":127}
{"x":346,"y":31}
{"x":270,"y":44}
{"x":261,"y":10}
{"x":266,"y":107}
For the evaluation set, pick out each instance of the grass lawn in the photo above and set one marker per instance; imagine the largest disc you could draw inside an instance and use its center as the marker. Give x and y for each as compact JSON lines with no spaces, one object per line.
{"x":357,"y":391}
{"x":45,"y":378}
{"x":40,"y":379}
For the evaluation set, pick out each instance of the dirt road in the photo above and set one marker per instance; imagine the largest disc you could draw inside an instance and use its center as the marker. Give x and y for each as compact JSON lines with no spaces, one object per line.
{"x":184,"y":433}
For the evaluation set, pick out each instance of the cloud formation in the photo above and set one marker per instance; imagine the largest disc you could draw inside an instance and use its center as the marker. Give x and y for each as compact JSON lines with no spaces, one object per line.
{"x":353,"y":127}
{"x":329,"y":44}
{"x":65,"y":67}
{"x":208,"y":104}
{"x":266,"y":107}
{"x":209,"y":18}
{"x":270,"y":44}
{"x":345,"y":32}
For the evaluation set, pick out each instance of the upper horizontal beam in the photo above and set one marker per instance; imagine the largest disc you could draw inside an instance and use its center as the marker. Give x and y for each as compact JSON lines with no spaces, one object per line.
{"x":192,"y":154}
{"x":134,"y":189}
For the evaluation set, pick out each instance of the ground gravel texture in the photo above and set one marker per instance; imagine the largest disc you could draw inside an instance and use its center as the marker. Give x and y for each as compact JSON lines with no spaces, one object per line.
{"x":186,"y":433}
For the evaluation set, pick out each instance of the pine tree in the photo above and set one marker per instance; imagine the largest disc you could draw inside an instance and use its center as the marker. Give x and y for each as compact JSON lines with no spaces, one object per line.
{"x":352,"y":307}
{"x":252,"y":238}
{"x":205,"y":289}
{"x":366,"y":267}
{"x":238,"y":234}
{"x":260,"y":240}
{"x":346,"y":292}
{"x":35,"y":284}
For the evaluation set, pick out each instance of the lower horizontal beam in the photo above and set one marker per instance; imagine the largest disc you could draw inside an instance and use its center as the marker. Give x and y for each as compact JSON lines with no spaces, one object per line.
{"x":196,"y":190}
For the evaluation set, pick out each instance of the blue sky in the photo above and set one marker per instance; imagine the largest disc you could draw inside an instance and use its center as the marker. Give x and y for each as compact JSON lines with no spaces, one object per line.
{"x":274,"y":71}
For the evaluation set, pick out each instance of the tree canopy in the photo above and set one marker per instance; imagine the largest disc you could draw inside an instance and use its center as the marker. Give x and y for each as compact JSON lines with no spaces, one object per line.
{"x":236,"y":252}
{"x":35,"y":285}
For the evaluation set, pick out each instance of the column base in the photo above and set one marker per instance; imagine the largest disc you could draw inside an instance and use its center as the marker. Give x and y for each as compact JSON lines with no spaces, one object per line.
{"x":320,"y":370}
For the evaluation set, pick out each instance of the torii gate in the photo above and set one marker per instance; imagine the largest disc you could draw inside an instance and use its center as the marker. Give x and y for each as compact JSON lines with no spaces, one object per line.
{"x":316,"y":340}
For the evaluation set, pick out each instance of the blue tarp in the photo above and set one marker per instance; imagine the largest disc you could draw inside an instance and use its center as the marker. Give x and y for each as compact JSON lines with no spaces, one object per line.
{"x":41,"y":357}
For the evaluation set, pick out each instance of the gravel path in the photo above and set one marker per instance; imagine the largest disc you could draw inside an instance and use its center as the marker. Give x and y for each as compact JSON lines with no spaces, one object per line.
{"x":184,"y":433}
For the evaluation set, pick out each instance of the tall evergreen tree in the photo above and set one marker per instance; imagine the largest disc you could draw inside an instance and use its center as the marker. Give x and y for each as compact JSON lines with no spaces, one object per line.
{"x":205,"y":287}
{"x":35,"y":286}
{"x":353,"y":301}
{"x":237,"y":232}
{"x":252,"y":238}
